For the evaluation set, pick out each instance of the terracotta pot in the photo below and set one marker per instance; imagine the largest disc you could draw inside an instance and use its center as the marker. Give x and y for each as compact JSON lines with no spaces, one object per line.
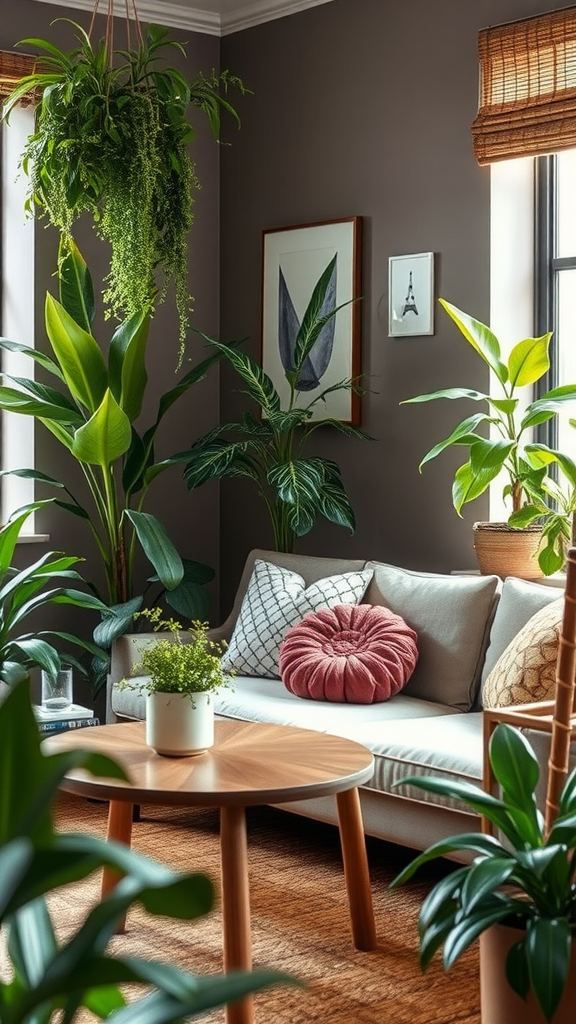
{"x":176,"y":727}
{"x":502,"y":551}
{"x":499,"y":1003}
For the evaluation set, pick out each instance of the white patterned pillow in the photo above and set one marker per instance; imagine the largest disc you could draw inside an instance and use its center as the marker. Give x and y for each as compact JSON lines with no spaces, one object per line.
{"x":275,"y":600}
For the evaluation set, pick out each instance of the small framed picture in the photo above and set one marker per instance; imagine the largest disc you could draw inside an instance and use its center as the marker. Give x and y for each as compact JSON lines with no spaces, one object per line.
{"x":411,"y":295}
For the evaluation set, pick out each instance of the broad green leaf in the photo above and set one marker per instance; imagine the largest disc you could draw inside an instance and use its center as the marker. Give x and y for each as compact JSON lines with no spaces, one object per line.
{"x":463,"y":434}
{"x":216,"y":460}
{"x":483,"y":878}
{"x":39,"y":357}
{"x":452,"y":393}
{"x":127,"y":364}
{"x":105,"y":437}
{"x":79,"y":355}
{"x":469,"y":484}
{"x":480,"y":337}
{"x":15,"y":401}
{"x":467,"y":930}
{"x":76,"y":288}
{"x":548,"y":946}
{"x":529,"y":361}
{"x":157,"y":547}
{"x":525,"y":517}
{"x":118,"y":619}
{"x":516,"y":768}
{"x":10,"y":532}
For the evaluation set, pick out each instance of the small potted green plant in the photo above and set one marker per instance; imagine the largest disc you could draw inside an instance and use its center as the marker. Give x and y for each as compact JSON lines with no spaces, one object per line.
{"x":182,"y":670}
{"x":518,"y":895}
{"x":510,"y":448}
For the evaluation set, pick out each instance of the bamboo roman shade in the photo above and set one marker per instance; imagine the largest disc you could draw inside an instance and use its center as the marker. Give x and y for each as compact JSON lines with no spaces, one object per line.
{"x":13,"y":67}
{"x":527,"y":87}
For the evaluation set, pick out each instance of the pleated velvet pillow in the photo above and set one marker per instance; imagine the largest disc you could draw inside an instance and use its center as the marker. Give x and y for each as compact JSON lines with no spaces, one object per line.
{"x":349,"y":654}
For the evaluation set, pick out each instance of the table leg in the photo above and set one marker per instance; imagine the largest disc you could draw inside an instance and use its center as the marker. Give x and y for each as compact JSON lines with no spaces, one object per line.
{"x":236,"y":905}
{"x":120,"y":817}
{"x":356,"y":870}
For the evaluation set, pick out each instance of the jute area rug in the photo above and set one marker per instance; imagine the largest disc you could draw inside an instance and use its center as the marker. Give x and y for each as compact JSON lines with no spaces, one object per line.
{"x":300,"y":920}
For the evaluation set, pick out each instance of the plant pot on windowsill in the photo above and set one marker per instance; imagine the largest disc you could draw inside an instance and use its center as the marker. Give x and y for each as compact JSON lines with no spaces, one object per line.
{"x":537,"y":500}
{"x":503,"y":551}
{"x":181,"y":671}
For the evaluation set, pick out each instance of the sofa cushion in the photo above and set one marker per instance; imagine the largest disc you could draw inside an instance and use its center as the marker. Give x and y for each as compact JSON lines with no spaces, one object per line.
{"x":451,"y":616}
{"x":526,"y":671}
{"x":275,"y":600}
{"x":358,"y":654}
{"x":519,"y":601}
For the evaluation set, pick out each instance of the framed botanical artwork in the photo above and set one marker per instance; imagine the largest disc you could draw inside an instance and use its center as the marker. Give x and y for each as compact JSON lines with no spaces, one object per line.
{"x":411,"y":295}
{"x":295,"y":260}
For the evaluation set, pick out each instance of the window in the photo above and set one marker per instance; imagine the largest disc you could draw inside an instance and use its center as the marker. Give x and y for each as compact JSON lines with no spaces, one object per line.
{"x":17,"y":281}
{"x":556,"y":276}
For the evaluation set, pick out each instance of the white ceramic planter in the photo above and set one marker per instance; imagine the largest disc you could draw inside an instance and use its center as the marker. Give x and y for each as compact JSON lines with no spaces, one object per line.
{"x":175,"y":728}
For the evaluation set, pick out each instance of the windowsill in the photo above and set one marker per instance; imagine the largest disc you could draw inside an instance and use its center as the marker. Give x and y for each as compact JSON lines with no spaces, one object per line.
{"x":33,"y":538}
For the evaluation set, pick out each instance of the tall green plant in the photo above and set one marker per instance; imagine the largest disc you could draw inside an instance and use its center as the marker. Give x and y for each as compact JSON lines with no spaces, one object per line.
{"x":510,"y":447}
{"x":111,"y":138}
{"x":47,"y":978}
{"x":92,"y":410}
{"x":527,"y":880}
{"x":296,"y":489}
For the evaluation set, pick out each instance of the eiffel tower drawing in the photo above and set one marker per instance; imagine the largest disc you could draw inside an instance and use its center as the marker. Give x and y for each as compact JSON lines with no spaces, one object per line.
{"x":410,"y":300}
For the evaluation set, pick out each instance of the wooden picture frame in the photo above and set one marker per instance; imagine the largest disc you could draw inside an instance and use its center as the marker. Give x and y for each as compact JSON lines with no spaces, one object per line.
{"x":293,"y":260}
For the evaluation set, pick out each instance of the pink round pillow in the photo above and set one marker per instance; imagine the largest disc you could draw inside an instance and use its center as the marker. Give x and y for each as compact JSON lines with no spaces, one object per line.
{"x":352,"y":653}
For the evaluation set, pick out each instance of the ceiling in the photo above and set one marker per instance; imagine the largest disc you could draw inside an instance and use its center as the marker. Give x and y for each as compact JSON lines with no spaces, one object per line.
{"x":213,"y":17}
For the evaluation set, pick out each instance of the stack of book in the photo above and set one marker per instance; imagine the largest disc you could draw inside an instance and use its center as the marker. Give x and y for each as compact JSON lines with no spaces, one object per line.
{"x":74,"y":717}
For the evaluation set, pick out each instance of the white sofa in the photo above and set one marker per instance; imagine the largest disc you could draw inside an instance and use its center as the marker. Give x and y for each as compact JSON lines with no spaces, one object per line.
{"x":434,"y":726}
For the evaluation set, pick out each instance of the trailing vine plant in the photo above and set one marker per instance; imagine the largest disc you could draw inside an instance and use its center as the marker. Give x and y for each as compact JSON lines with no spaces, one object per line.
{"x":111,"y":139}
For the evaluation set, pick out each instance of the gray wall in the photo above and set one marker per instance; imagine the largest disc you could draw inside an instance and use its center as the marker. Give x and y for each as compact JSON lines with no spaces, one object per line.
{"x":364,"y":107}
{"x":191,"y":520}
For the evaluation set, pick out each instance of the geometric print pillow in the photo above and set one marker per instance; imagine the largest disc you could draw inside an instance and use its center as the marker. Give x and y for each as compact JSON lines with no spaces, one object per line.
{"x":526,"y":671}
{"x":276,"y":599}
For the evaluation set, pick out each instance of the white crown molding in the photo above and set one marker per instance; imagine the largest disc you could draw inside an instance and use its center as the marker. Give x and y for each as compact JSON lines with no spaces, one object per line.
{"x":179,"y":15}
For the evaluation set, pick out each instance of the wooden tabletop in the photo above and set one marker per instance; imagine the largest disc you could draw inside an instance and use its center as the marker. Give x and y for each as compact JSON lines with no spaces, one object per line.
{"x":250,"y":763}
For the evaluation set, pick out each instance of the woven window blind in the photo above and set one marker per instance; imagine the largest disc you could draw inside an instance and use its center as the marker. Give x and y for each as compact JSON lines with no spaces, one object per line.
{"x":13,"y":67}
{"x":527,"y":88}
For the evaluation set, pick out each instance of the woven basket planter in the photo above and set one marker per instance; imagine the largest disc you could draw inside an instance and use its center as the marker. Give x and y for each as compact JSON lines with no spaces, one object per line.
{"x":502,"y":551}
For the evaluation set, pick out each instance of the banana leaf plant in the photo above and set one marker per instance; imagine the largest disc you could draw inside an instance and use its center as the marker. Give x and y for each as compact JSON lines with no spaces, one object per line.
{"x":297,"y":489}
{"x":25,"y":591}
{"x":510,"y":448}
{"x":91,"y":409}
{"x":47,"y":978}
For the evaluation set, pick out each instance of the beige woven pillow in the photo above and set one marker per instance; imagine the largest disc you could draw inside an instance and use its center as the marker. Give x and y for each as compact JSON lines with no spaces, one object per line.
{"x":526,"y":671}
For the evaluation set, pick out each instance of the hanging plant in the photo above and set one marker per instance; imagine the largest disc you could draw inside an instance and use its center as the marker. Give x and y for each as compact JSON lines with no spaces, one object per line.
{"x":111,"y":139}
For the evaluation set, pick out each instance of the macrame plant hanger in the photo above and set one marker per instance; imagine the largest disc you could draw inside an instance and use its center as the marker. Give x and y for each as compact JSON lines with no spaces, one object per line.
{"x":130,"y":7}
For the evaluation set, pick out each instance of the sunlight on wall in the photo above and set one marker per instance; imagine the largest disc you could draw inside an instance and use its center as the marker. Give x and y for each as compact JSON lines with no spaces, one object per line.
{"x":17,"y":307}
{"x":511,"y":271}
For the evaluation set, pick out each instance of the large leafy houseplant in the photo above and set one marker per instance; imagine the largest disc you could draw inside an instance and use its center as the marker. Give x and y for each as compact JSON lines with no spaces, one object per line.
{"x":527,"y":879}
{"x":49,"y":978}
{"x":24,"y":592}
{"x":269,"y":450}
{"x":510,"y":448}
{"x":91,"y":410}
{"x":111,"y":139}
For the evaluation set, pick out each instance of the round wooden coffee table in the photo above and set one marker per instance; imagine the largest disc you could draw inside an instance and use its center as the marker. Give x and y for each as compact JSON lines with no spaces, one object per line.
{"x":251,"y":763}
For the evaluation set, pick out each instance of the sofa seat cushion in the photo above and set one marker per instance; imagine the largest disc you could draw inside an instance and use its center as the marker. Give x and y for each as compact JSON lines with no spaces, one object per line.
{"x":356,"y":654}
{"x":451,"y":616}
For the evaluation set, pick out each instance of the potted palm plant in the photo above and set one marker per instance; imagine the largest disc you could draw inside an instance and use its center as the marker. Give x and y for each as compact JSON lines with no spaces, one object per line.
{"x":510,"y":449}
{"x":182,"y":670}
{"x":269,"y":450}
